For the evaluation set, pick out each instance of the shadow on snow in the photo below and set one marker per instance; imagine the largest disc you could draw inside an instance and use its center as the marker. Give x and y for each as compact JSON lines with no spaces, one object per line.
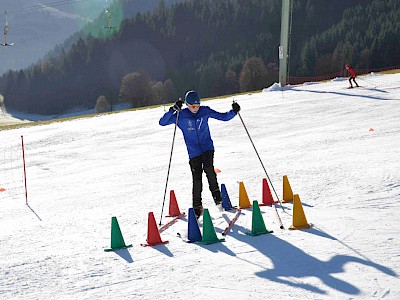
{"x":291,"y":262}
{"x":342,"y":94}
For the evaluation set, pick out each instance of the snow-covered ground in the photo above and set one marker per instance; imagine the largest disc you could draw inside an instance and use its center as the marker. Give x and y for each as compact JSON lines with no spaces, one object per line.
{"x":339,"y":148}
{"x":11,"y":117}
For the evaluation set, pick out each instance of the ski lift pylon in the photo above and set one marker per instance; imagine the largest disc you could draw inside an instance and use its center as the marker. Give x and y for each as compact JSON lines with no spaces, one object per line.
{"x":6,"y":28}
{"x":108,"y":14}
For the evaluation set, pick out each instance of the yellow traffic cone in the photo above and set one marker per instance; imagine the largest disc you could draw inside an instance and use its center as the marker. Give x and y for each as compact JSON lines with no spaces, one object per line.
{"x":287,"y":191}
{"x":299,"y":218}
{"x":244,"y":201}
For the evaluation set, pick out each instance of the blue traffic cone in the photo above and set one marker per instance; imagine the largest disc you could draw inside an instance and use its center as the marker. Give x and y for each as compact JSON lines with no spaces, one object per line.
{"x":226,"y":202}
{"x":194,"y":233}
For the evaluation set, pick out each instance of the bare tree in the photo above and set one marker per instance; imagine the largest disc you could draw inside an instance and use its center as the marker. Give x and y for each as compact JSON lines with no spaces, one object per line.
{"x":102,"y":105}
{"x":253,"y":75}
{"x":169,"y":93}
{"x":3,"y":110}
{"x":157,"y":91}
{"x":136,"y":88}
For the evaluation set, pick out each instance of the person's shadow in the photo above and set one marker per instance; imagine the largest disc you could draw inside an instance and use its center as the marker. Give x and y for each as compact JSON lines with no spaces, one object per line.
{"x":291,"y":262}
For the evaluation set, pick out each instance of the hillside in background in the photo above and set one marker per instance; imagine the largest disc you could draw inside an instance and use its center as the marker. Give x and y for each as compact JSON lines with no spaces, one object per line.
{"x":115,"y":13}
{"x":37,"y":27}
{"x":203,"y":45}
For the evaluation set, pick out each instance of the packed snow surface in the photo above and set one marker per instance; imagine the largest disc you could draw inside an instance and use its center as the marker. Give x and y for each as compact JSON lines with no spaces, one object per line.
{"x":338,"y":147}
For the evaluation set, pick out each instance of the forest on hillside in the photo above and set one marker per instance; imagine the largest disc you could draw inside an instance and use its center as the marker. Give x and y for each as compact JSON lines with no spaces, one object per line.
{"x":216,"y":47}
{"x":113,"y":16}
{"x":366,"y":36}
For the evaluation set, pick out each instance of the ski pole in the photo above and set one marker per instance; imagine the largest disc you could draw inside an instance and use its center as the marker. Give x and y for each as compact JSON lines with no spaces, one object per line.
{"x":278,"y":217}
{"x":276,"y":211}
{"x":169,"y":166}
{"x":260,"y":160}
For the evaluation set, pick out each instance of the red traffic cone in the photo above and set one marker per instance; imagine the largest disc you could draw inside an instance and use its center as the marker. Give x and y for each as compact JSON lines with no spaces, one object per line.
{"x":153,"y":236}
{"x":267,"y":199}
{"x":173,"y":205}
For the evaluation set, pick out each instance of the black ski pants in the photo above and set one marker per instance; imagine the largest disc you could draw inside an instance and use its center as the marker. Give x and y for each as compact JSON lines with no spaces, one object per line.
{"x":354,"y":79}
{"x":197,"y":164}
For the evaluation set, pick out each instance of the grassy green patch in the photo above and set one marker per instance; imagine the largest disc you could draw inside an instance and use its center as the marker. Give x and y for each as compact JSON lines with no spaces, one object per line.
{"x":395,"y":71}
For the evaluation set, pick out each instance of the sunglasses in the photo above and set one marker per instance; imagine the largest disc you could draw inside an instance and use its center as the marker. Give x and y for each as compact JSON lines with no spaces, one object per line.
{"x":194,"y":106}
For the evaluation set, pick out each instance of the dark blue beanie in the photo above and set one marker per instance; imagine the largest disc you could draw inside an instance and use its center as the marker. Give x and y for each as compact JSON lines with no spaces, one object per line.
{"x":192,"y":97}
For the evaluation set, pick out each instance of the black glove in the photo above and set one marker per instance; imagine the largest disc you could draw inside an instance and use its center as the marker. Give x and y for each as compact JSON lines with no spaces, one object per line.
{"x":178,"y":105}
{"x":235,"y":107}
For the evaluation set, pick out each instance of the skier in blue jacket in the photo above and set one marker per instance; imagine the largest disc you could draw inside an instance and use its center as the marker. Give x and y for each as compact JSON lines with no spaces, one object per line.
{"x":193,"y":121}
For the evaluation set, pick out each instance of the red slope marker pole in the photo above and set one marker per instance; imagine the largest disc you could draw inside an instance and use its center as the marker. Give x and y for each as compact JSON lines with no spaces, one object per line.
{"x":23,"y":159}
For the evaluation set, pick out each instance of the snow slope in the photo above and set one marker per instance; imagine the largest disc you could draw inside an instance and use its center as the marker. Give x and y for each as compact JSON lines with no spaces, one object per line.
{"x":338,"y":147}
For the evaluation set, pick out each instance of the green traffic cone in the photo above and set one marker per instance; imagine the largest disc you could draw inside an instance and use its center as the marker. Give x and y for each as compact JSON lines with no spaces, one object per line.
{"x":209,"y":235}
{"x":117,"y":241}
{"x":257,"y":222}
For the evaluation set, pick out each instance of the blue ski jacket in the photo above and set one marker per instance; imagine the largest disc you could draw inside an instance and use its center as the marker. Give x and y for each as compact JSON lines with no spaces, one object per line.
{"x":196,"y":132}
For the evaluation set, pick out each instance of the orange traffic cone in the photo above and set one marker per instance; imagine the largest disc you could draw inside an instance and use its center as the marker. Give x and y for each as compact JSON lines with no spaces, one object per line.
{"x":173,"y":205}
{"x":287,"y":191}
{"x":244,"y":201}
{"x":267,"y":199}
{"x":299,"y":218}
{"x":153,"y":235}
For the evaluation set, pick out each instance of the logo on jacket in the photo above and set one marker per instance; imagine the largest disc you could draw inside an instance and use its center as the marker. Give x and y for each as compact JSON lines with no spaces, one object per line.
{"x":190,"y":126}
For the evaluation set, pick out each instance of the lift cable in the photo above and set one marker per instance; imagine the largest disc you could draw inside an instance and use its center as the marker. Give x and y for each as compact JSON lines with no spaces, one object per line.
{"x":43,"y":6}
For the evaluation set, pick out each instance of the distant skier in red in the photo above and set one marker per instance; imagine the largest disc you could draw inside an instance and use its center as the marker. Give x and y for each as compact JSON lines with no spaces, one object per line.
{"x":352,"y":75}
